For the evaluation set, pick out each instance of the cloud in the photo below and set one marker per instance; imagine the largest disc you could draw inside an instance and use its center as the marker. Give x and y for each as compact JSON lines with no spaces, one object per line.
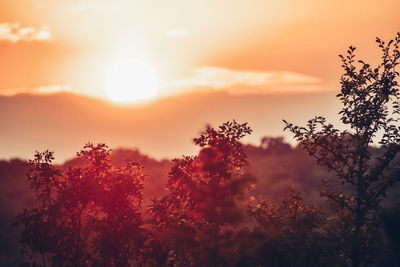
{"x":13,"y":32}
{"x":52,"y":89}
{"x":247,"y":81}
{"x":48,"y":89}
{"x":178,"y":32}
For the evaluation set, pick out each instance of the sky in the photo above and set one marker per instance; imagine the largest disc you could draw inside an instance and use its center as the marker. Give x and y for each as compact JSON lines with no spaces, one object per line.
{"x":66,"y":65}
{"x":244,"y":47}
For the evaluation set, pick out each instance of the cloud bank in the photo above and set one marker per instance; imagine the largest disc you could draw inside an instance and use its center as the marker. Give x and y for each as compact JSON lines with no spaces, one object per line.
{"x":48,"y":89}
{"x":13,"y":32}
{"x":247,"y":81}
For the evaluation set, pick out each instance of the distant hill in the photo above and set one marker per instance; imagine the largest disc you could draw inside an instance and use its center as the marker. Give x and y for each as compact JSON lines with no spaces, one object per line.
{"x":15,"y":194}
{"x":64,"y":122}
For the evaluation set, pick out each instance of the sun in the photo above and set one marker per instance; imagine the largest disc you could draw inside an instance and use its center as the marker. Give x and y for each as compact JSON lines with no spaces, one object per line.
{"x":131,"y":80}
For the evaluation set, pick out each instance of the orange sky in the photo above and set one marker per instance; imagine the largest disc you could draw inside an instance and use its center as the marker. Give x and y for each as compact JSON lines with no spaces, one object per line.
{"x":256,"y":46}
{"x":258,"y":61}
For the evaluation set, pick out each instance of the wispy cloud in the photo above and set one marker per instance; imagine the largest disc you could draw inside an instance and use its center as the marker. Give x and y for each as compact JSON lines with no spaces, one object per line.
{"x":247,"y":81}
{"x":52,"y":89}
{"x":48,"y":89}
{"x":13,"y":32}
{"x":178,"y":32}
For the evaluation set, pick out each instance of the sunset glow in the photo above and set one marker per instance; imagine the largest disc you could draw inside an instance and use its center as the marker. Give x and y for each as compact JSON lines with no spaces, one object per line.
{"x":255,"y":61}
{"x":199,"y":133}
{"x":131,"y":81}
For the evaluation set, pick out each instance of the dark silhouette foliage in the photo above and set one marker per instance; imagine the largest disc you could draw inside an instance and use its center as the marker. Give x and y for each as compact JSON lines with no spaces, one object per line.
{"x":291,"y":232}
{"x":202,"y":198}
{"x":370,"y":99}
{"x":87,"y":215}
{"x":274,"y":144}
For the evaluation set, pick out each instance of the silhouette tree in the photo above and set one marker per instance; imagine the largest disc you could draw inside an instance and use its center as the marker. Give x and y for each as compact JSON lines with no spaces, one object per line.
{"x":85,"y":216}
{"x":370,"y":99}
{"x":202,"y":198}
{"x":290,"y":232}
{"x":274,"y":144}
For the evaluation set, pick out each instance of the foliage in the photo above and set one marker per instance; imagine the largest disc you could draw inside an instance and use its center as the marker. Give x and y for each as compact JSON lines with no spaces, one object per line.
{"x":292,"y":232}
{"x":273,"y":144}
{"x":85,"y":216}
{"x":202,"y":195}
{"x":370,"y":99}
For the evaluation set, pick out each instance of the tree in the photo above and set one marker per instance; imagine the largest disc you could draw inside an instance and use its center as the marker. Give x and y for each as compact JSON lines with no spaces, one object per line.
{"x":290,"y":232}
{"x":202,"y":198}
{"x":85,"y":216}
{"x":274,"y":144}
{"x":370,"y":99}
